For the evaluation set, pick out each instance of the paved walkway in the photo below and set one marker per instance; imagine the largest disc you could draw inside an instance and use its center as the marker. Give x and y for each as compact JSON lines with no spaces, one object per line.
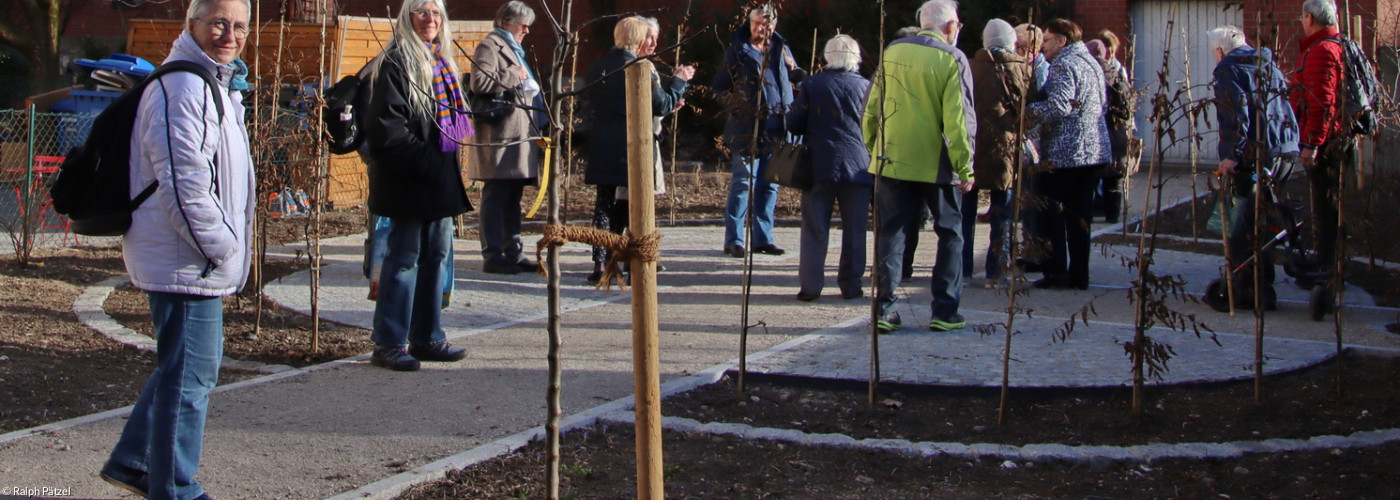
{"x":316,"y":432}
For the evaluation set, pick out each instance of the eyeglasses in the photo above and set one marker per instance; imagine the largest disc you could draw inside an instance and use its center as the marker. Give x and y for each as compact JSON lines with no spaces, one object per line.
{"x":426,"y":14}
{"x":219,"y":27}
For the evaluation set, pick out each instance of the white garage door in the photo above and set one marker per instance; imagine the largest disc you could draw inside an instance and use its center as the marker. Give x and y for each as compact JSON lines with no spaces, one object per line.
{"x":1193,"y":18}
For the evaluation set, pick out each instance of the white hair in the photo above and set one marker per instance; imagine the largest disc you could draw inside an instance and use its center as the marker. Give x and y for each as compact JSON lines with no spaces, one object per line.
{"x":1323,"y":12}
{"x":1226,"y":38}
{"x":764,"y":9}
{"x":418,"y":61}
{"x":936,"y":13}
{"x":200,"y":7}
{"x":513,"y":12}
{"x":842,"y":52}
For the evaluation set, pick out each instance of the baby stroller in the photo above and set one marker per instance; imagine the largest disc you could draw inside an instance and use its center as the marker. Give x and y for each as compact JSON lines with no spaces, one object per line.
{"x":1284,"y":217}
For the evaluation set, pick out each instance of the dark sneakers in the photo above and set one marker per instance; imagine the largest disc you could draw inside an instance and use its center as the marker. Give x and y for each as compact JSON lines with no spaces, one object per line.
{"x":441,"y":351}
{"x":127,"y":478}
{"x":948,"y":324}
{"x":889,"y":323}
{"x":393,"y":358}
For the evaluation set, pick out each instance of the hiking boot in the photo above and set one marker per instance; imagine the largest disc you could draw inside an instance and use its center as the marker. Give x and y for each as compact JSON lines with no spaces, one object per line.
{"x":948,"y":324}
{"x":889,"y":323}
{"x":440,"y":351}
{"x":393,"y":358}
{"x":127,"y":478}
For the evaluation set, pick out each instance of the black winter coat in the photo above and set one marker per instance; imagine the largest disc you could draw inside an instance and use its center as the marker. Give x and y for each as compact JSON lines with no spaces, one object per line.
{"x":607,"y":148}
{"x":410,"y":177}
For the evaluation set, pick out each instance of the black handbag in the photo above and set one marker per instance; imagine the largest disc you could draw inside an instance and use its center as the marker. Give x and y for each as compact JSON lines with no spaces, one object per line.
{"x":489,"y":108}
{"x":790,"y":166}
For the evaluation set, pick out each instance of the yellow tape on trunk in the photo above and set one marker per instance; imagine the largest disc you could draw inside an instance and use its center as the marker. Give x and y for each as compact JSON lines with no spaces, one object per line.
{"x":548,"y":145}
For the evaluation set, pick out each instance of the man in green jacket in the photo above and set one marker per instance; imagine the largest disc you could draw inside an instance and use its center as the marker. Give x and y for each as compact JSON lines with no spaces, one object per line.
{"x":919,"y":126}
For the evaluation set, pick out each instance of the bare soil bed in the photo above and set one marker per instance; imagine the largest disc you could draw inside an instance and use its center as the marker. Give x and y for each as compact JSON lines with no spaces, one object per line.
{"x":599,"y":462}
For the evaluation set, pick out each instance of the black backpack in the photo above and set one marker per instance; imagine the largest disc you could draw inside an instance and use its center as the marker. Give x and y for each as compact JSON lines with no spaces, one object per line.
{"x":93,"y":187}
{"x":347,"y":106}
{"x":1360,"y":84}
{"x":1361,"y":87}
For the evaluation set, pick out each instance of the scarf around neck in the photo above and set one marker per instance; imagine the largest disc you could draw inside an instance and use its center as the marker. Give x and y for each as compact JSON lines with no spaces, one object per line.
{"x":515,"y":46}
{"x":452,"y":121}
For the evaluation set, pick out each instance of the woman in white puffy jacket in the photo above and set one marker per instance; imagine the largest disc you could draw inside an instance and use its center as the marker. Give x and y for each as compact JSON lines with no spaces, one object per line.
{"x":188,"y":245}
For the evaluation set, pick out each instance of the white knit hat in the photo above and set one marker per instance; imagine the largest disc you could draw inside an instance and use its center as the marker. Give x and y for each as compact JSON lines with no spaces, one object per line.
{"x":999,"y":33}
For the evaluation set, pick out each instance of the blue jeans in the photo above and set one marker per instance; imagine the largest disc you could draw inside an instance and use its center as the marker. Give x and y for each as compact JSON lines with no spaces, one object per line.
{"x":165,"y":433}
{"x":1000,"y":246}
{"x":409,"y":308}
{"x":765,"y":198}
{"x":817,"y":205}
{"x":898,"y":202}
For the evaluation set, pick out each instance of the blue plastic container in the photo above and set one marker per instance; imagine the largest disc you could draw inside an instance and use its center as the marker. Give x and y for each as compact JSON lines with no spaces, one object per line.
{"x":92,"y":101}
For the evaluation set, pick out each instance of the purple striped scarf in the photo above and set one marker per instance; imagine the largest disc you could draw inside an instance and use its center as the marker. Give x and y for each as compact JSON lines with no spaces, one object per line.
{"x":452,"y":121}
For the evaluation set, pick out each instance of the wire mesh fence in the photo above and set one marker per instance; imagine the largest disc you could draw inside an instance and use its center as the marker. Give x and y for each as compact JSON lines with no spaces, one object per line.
{"x":32,"y":146}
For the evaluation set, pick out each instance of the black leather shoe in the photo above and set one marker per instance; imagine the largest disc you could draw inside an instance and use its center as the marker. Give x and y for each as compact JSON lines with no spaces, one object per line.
{"x":393,"y":358}
{"x":859,"y":294}
{"x":734,"y":251}
{"x":528,"y":266}
{"x":770,"y":250}
{"x":441,"y":351}
{"x":127,"y":478}
{"x":807,"y":297}
{"x":1051,"y":282}
{"x":500,"y":268}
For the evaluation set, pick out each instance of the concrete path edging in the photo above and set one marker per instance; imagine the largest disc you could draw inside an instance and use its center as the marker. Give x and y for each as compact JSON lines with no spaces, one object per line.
{"x":1038,"y":452}
{"x":88,"y":307}
{"x":394,"y":485}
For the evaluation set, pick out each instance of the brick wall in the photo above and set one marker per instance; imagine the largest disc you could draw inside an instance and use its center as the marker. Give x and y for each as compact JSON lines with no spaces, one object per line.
{"x":1095,"y":15}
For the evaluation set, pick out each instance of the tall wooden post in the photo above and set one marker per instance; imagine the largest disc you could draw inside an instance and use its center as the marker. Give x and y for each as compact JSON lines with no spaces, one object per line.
{"x":646,"y":367}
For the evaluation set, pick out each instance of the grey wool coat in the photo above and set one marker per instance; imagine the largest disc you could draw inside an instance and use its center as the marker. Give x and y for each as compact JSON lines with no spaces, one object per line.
{"x":494,"y":71}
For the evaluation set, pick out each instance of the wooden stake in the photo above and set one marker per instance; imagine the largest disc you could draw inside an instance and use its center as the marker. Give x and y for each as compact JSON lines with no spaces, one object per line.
{"x":645,"y":353}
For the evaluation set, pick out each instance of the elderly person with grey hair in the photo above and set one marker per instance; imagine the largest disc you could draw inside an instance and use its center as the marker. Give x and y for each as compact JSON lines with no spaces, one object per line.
{"x":415,"y":131}
{"x":1324,"y":144}
{"x":188,"y":244}
{"x":826,"y":113}
{"x":923,"y":112}
{"x":1257,"y":128}
{"x":511,"y":162}
{"x":1002,"y":78}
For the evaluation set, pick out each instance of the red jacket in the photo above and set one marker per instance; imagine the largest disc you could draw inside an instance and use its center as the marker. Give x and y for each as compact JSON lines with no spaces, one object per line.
{"x":1316,"y":84}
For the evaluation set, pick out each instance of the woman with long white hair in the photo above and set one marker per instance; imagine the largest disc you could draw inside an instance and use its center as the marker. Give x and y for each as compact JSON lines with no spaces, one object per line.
{"x":416,"y":127}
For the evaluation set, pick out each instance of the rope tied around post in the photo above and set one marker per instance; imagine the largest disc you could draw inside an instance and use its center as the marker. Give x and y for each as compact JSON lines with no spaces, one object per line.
{"x":623,"y":248}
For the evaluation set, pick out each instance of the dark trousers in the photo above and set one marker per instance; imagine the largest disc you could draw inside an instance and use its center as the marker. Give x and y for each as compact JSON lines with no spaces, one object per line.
{"x":1331,"y":158}
{"x":609,"y":214}
{"x":1066,"y":222}
{"x":818,"y":203}
{"x":500,"y":220}
{"x":898,"y":202}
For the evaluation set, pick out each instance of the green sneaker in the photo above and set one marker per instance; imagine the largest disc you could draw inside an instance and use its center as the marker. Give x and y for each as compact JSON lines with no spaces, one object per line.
{"x":954,"y":322}
{"x":888,"y":324}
